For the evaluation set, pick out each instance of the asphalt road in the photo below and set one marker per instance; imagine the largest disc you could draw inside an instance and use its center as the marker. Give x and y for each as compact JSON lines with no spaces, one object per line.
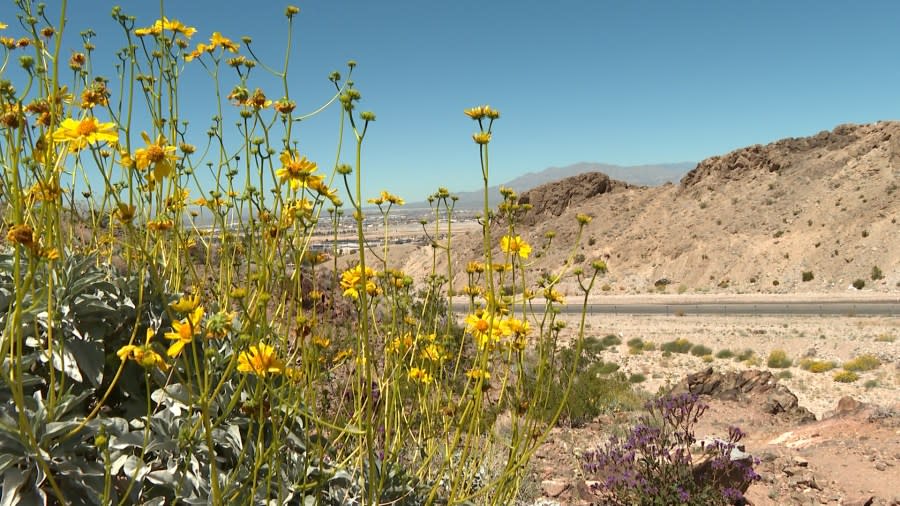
{"x":862,"y":308}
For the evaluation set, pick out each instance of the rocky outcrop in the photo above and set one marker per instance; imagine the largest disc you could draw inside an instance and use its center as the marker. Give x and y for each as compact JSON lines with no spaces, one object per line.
{"x":552,"y":199}
{"x":751,"y":385}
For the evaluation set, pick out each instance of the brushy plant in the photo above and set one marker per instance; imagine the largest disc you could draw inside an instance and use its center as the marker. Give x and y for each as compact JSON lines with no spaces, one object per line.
{"x":724,"y":354}
{"x":659,"y":462}
{"x":807,"y":276}
{"x":680,"y":345}
{"x":698,"y":350}
{"x":778,"y":359}
{"x":877,"y":274}
{"x":233,"y":364}
{"x":817,"y":366}
{"x":859,"y":283}
{"x":845,"y":376}
{"x":885,"y":338}
{"x":862,"y":363}
{"x":745,"y":355}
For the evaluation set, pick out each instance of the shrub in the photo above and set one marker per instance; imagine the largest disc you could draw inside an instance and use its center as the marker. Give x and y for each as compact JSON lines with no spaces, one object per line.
{"x":698,"y":350}
{"x":862,"y":363}
{"x":778,"y":359}
{"x":680,"y":345}
{"x":817,"y":366}
{"x":744,"y":355}
{"x":649,"y":346}
{"x":610,"y":340}
{"x":859,"y":284}
{"x":885,"y":338}
{"x":846,"y":377}
{"x":637,"y":378}
{"x":876,"y":273}
{"x":635,"y":342}
{"x":657,"y":460}
{"x":870,"y":384}
{"x":784,"y":374}
{"x":723,"y":354}
{"x":807,"y":276}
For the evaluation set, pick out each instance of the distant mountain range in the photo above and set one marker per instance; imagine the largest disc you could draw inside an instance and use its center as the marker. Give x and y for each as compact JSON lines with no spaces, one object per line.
{"x":642,"y":175}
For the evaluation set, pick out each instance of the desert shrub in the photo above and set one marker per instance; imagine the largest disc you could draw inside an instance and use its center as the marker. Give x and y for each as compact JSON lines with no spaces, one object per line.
{"x":724,"y":354}
{"x":807,"y":276}
{"x":648,"y":346}
{"x":657,"y":463}
{"x":579,"y":258}
{"x":680,"y":345}
{"x":859,"y":284}
{"x":745,"y":354}
{"x":870,"y":384}
{"x":784,"y":375}
{"x":862,"y":363}
{"x":876,"y":273}
{"x":610,"y":340}
{"x":778,"y":359}
{"x":637,"y":378}
{"x":885,"y":338}
{"x":635,"y":342}
{"x":698,"y":350}
{"x":846,"y":376}
{"x":817,"y":366}
{"x":707,"y":358}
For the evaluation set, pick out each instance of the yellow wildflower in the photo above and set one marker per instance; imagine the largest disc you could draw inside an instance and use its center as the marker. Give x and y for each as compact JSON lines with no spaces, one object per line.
{"x":79,"y":134}
{"x":483,"y":326}
{"x":482,"y":137}
{"x":158,"y":155}
{"x":160,"y":225}
{"x":351,"y":281}
{"x":183,"y":332}
{"x":173,"y":25}
{"x":22,"y":234}
{"x":554,"y":296}
{"x":260,"y":360}
{"x":434,"y":353}
{"x":185,"y":304}
{"x":476,"y":374}
{"x":419,"y":376}
{"x":321,"y":342}
{"x":217,"y":40}
{"x":297,"y":170}
{"x":124,"y":212}
{"x":515,"y":245}
{"x":3,"y":26}
{"x":144,"y":355}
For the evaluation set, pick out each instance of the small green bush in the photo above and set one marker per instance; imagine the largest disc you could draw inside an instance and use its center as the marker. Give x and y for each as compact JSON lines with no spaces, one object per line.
{"x":778,"y":359}
{"x":649,"y":346}
{"x":724,"y":354}
{"x":846,"y":377}
{"x":870,"y":384}
{"x":862,"y":363}
{"x":859,"y":284}
{"x":807,"y":276}
{"x":635,"y":342}
{"x":698,"y":350}
{"x":744,"y":355}
{"x":610,"y":340}
{"x":637,"y":378}
{"x":681,"y":345}
{"x":784,"y":374}
{"x":876,"y":273}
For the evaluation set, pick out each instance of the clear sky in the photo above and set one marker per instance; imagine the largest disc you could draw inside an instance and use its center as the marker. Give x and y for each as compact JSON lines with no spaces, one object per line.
{"x":623,"y":82}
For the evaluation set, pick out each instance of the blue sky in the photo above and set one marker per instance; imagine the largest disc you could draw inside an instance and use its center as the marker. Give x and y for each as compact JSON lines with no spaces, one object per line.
{"x":624,"y":82}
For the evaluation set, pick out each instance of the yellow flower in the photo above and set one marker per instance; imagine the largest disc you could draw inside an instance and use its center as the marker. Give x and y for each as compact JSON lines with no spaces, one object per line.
{"x":514,"y":327}
{"x":351,"y":282}
{"x":553,"y":296}
{"x":173,"y":25}
{"x":476,"y":112}
{"x":3,"y":26}
{"x":144,"y":355}
{"x":419,"y":376}
{"x":515,"y":245}
{"x":217,"y":40}
{"x":22,"y":234}
{"x":297,"y":170}
{"x":482,"y":137}
{"x":124,"y":212}
{"x":158,"y":155}
{"x":160,"y":225}
{"x":186,"y":304}
{"x":87,"y":131}
{"x":183,"y":332}
{"x":321,"y":342}
{"x":260,"y":360}
{"x":483,"y":326}
{"x":478,"y":374}
{"x":433,"y":353}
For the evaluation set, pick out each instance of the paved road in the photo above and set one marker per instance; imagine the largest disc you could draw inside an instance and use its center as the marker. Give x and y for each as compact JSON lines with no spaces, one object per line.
{"x":738,"y":308}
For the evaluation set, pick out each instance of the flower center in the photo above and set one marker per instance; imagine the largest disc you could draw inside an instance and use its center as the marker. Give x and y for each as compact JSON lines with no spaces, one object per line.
{"x":86,"y":127}
{"x":155,"y":153}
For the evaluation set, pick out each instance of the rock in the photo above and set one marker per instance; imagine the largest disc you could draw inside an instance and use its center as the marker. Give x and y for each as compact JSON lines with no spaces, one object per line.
{"x":800,"y":461}
{"x":553,"y":198}
{"x":881,"y":466}
{"x":553,"y":488}
{"x":866,"y":500}
{"x":741,"y":386}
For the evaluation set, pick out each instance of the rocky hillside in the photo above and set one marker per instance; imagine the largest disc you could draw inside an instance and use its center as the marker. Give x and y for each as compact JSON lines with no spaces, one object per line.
{"x":807,"y":214}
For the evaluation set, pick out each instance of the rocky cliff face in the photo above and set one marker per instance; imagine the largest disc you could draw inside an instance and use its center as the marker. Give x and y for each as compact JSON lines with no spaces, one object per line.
{"x":811,"y":214}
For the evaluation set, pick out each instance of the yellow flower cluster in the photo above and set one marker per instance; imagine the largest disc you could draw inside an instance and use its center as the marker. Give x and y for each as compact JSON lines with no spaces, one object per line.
{"x":216,"y":41}
{"x":79,"y":133}
{"x":297,"y":170}
{"x":387,"y":197}
{"x":351,"y":282}
{"x":488,"y":329}
{"x":172,"y":25}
